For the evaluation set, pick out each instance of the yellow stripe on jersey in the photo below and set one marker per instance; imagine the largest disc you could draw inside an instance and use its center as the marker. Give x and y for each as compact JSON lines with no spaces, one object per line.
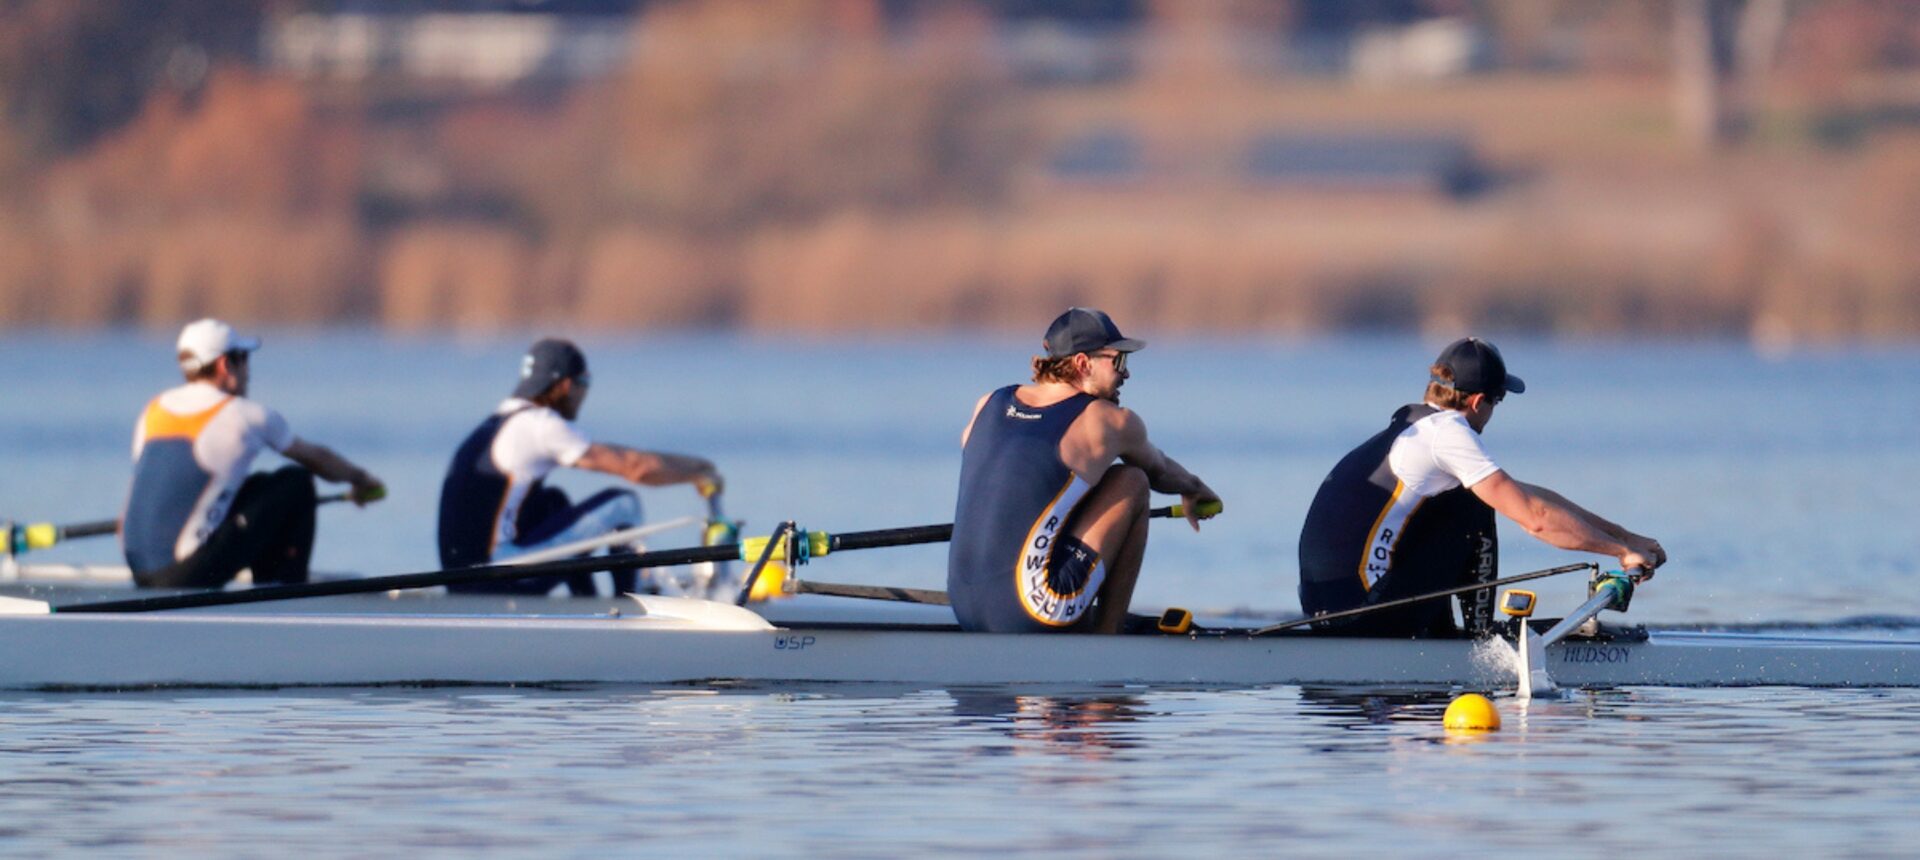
{"x":158,"y":423}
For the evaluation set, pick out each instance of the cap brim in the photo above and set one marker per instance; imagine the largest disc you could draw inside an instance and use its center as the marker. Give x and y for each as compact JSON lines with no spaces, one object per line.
{"x":1127,"y":344}
{"x":1515,"y":386}
{"x":244,"y":344}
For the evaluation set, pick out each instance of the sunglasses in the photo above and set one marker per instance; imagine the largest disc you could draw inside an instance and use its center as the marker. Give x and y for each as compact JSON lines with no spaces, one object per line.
{"x":1119,"y":359}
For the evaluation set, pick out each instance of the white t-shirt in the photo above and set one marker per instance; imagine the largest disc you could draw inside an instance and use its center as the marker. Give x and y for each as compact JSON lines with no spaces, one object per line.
{"x":224,"y":445}
{"x":1433,"y":455}
{"x":1439,"y":452}
{"x":533,"y":442}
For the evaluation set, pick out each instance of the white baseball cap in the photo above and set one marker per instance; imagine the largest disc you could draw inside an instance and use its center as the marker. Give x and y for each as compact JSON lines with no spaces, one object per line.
{"x":203,"y":341}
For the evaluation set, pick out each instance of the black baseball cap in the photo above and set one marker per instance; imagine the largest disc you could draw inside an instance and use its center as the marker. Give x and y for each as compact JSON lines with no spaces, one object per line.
{"x":1477,"y":368}
{"x":548,"y":361}
{"x":1085,"y":330}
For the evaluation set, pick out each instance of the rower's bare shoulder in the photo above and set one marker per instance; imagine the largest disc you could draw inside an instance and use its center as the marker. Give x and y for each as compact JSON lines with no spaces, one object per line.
{"x":1112,"y":418}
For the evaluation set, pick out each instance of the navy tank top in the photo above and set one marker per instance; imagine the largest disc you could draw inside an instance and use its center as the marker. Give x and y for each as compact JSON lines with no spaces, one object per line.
{"x":1336,"y":538}
{"x":1448,"y":539}
{"x":1015,"y":492}
{"x":472,"y":496}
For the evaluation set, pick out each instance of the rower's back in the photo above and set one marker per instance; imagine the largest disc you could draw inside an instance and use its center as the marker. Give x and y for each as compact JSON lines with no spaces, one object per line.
{"x":1015,"y":495}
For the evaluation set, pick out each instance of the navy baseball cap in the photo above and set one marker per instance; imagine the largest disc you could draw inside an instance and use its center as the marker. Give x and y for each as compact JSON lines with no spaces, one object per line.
{"x":1085,"y":330}
{"x":1477,"y":368}
{"x":548,"y":361}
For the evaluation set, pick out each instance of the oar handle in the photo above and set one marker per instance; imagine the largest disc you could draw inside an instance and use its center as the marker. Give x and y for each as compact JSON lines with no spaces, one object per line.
{"x":328,"y":499}
{"x":32,"y":536}
{"x":1206,"y":510}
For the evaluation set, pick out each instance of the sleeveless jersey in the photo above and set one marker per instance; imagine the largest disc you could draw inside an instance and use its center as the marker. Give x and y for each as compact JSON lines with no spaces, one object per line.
{"x":1398,"y":502}
{"x":493,"y":472}
{"x":1015,"y":494}
{"x":193,"y":446}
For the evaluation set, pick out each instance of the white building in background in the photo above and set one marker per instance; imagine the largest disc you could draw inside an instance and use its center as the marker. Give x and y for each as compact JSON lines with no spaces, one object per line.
{"x":483,"y":50}
{"x":1434,"y":49}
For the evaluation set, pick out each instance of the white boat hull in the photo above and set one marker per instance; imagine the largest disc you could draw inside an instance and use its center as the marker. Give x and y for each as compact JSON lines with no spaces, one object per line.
{"x":202,"y":649}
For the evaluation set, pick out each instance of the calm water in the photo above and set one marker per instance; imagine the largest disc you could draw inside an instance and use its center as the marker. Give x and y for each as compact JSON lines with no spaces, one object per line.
{"x":1783,"y":487}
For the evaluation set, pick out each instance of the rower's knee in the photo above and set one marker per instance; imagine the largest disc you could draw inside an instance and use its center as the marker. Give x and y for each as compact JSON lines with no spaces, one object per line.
{"x":617,"y":507}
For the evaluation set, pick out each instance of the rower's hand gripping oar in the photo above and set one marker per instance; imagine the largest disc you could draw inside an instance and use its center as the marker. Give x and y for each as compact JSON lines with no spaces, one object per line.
{"x":17,"y":539}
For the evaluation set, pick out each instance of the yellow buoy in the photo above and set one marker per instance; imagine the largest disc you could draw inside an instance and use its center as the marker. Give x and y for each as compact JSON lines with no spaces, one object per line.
{"x":1472,"y":712}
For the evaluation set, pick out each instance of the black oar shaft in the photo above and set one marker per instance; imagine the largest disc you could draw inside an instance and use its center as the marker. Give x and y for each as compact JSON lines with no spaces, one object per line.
{"x":891,"y":537}
{"x":917,"y":535}
{"x":1422,"y":598}
{"x":488,"y":573}
{"x":92,"y":529}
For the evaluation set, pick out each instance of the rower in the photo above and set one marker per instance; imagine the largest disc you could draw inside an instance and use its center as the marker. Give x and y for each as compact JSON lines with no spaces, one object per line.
{"x":1411,"y":510}
{"x":494,"y":504}
{"x":1049,"y":530}
{"x":195,"y":518}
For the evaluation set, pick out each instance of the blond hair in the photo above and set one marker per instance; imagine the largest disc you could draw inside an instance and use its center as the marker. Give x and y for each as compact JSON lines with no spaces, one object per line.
{"x":1442,"y":393}
{"x":1060,"y":369}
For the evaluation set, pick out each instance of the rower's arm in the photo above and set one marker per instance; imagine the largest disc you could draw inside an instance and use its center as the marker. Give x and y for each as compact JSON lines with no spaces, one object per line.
{"x":330,"y":466}
{"x":1613,"y":529}
{"x":652,"y":468}
{"x":1640,"y":543}
{"x":1106,"y":432}
{"x":1550,"y":517}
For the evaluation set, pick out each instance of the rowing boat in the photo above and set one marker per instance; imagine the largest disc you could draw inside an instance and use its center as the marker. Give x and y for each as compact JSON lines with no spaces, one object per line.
{"x":662,"y":640}
{"x":671,"y":639}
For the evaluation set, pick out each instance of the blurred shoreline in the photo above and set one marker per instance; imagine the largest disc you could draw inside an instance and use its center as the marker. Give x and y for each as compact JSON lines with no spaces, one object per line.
{"x":838,"y":166}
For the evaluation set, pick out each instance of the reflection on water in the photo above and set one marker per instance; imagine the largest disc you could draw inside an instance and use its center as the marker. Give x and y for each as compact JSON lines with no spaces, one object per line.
{"x":1361,"y":707}
{"x":1074,"y":726}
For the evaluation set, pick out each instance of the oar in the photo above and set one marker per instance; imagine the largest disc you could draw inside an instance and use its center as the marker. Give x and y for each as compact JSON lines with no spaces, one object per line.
{"x":931,"y":534}
{"x":24,"y":538}
{"x":1422,"y":598}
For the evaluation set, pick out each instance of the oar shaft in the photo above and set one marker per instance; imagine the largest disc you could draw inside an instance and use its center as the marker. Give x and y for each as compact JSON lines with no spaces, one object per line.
{"x":372,"y":584}
{"x":92,"y":529}
{"x":1422,"y":598}
{"x":46,"y":535}
{"x":908,"y":536}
